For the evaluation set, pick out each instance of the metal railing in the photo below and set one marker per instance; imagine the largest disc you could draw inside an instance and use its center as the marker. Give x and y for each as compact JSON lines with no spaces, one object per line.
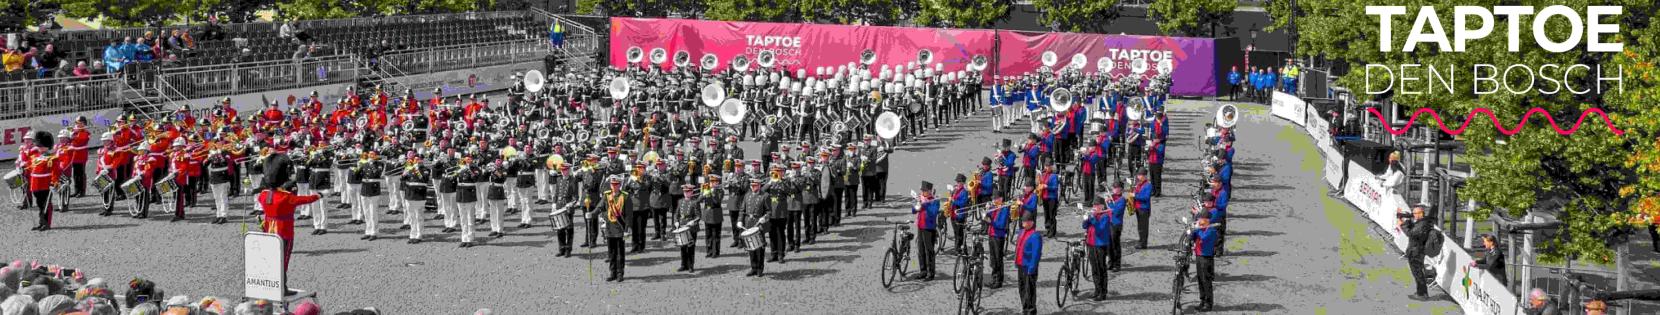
{"x":34,"y":98}
{"x":420,"y":18}
{"x":263,"y":76}
{"x":465,"y":56}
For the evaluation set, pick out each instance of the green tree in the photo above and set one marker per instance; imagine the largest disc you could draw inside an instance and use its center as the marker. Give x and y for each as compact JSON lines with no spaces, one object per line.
{"x":123,"y":13}
{"x":1192,"y":17}
{"x":1077,"y":15}
{"x":314,"y":9}
{"x":1598,"y":184}
{"x":961,"y":13}
{"x":16,"y":15}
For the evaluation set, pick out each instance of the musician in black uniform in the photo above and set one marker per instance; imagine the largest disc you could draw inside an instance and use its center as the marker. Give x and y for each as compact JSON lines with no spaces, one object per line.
{"x":219,"y":178}
{"x":564,"y":196}
{"x":853,"y":176}
{"x":810,"y":182}
{"x":496,"y":196}
{"x":755,"y":210}
{"x":319,"y":164}
{"x":447,"y":190}
{"x":588,"y":191}
{"x":868,"y":171}
{"x":687,"y":215}
{"x":791,"y":190}
{"x":524,"y":186}
{"x":713,"y":198}
{"x":778,"y":214}
{"x":467,"y":178}
{"x":614,"y":214}
{"x":835,"y":170}
{"x":658,"y":190}
{"x":415,"y":181}
{"x":370,"y":173}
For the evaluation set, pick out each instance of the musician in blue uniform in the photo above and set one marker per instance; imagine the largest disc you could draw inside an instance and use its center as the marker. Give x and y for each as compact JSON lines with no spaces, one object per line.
{"x":997,"y":229}
{"x":1206,"y":240}
{"x":988,"y":182}
{"x":1051,"y":191}
{"x":1098,"y":233}
{"x":1143,"y":207}
{"x":1028,"y":252}
{"x":927,"y":211}
{"x":960,"y":203}
{"x":1116,"y":203}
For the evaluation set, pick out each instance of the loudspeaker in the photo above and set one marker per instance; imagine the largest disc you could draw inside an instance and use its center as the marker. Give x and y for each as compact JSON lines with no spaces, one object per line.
{"x":1369,"y":154}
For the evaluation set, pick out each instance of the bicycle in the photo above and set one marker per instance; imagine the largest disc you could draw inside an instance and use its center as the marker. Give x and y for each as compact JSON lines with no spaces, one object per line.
{"x":896,"y":260}
{"x":1184,"y":257}
{"x":1066,"y":279}
{"x":971,"y":270}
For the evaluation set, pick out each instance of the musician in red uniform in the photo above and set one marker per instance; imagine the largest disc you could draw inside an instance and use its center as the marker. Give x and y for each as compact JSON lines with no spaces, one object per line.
{"x":25,"y":152}
{"x":144,"y":169}
{"x":279,"y":204}
{"x":112,"y":161}
{"x":42,"y":172}
{"x":179,"y":167}
{"x":78,"y":140}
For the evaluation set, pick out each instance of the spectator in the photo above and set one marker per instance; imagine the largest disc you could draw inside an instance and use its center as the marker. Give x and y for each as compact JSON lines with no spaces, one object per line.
{"x":98,"y":67}
{"x":144,"y":309}
{"x":556,"y":36}
{"x":51,"y":57}
{"x":286,"y":30}
{"x":63,"y":70}
{"x":176,"y":41}
{"x":186,"y":40}
{"x":1539,"y":304}
{"x":308,"y":307}
{"x":113,"y":57}
{"x":140,"y":291}
{"x":1493,"y":261}
{"x":56,"y":305}
{"x":212,"y":31}
{"x":12,"y":59}
{"x":19,"y":305}
{"x":142,"y":51}
{"x":1596,"y":307}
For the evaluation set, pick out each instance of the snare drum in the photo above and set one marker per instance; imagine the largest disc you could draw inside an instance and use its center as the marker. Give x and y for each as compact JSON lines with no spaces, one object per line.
{"x":560,"y":218}
{"x":14,"y":179}
{"x":166,"y":185}
{"x":131,"y":187}
{"x":683,"y":236}
{"x":103,"y":182}
{"x":752,"y":239}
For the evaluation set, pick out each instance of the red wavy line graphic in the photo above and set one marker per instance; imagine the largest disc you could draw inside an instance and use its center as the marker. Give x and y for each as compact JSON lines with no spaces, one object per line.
{"x":1609,"y":122}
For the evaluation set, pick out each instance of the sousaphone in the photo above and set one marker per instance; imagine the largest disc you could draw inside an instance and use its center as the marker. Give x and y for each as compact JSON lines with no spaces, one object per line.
{"x":534,"y":81}
{"x":635,"y":54}
{"x":867,"y":57}
{"x":732,"y":111}
{"x":1049,"y":58}
{"x":682,"y":59}
{"x":659,"y":55}
{"x":713,"y":94}
{"x":766,"y":59}
{"x":1061,"y":100}
{"x":979,"y":63}
{"x":888,"y":125}
{"x":619,"y":88}
{"x":1103,"y":65}
{"x":924,"y":57}
{"x":709,"y":61}
{"x":740,"y":63}
{"x":1227,"y":116}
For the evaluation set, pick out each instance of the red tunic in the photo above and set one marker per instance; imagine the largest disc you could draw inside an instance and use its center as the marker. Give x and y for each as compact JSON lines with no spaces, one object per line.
{"x":43,"y":171}
{"x":77,"y":145}
{"x":279,"y":208}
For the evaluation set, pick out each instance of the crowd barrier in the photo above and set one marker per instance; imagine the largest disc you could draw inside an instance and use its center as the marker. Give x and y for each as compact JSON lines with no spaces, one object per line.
{"x":1475,"y":291}
{"x":1192,"y":62}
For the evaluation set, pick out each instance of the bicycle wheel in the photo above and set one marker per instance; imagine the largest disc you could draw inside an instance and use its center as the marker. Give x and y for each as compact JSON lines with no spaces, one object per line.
{"x":890,"y":269}
{"x":976,"y":292}
{"x":957,"y":274}
{"x":1176,"y":289}
{"x":1063,"y":283}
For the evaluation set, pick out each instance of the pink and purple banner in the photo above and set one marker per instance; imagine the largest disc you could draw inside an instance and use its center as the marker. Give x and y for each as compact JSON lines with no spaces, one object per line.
{"x":798,"y":46}
{"x":1191,"y":61}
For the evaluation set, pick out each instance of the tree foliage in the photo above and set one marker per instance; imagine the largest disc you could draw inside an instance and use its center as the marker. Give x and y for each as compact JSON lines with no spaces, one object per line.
{"x":1599,"y":184}
{"x":962,"y":13}
{"x":1192,"y":17}
{"x":1077,"y":15}
{"x":16,"y":15}
{"x":123,"y":13}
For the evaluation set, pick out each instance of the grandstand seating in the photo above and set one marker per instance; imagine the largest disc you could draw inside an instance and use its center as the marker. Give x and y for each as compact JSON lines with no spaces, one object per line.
{"x":416,"y":34}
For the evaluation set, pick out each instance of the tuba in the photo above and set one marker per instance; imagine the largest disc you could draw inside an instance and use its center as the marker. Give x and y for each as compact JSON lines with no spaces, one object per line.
{"x":1227,"y":116}
{"x":635,"y":54}
{"x":766,"y":59}
{"x":732,"y":111}
{"x":924,"y":57}
{"x":979,"y":63}
{"x":1049,"y":58}
{"x":682,"y":59}
{"x":619,"y":88}
{"x":867,"y":57}
{"x":888,"y":125}
{"x":1103,"y":65}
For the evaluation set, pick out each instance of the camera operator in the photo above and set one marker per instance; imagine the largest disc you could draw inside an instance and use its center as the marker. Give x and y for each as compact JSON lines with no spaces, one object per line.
{"x":1417,"y":229}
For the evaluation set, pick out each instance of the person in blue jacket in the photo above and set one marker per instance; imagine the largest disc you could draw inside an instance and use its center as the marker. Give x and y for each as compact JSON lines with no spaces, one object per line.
{"x":1028,"y":251}
{"x":1116,"y":203}
{"x":1206,"y":240}
{"x":1098,"y":235}
{"x":1143,"y":207}
{"x":1233,"y":83}
{"x":960,"y":202}
{"x":114,"y":58}
{"x":988,"y":182}
{"x":556,"y":35}
{"x":997,"y":222}
{"x":927,"y":213}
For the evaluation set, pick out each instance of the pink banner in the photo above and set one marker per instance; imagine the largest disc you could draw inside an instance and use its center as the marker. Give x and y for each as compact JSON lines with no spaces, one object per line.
{"x":1191,"y":61}
{"x":798,"y":46}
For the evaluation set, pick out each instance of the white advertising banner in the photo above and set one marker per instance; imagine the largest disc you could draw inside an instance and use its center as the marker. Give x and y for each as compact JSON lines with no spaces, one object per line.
{"x":15,"y":132}
{"x":262,"y":267}
{"x":1287,"y":106}
{"x":1475,"y":291}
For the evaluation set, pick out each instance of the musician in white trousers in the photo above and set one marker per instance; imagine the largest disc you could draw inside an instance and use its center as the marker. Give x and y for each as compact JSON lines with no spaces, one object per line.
{"x":372,"y":196}
{"x":495,"y":198}
{"x":414,"y":193}
{"x":219,"y":182}
{"x":466,"y":200}
{"x":524,"y":189}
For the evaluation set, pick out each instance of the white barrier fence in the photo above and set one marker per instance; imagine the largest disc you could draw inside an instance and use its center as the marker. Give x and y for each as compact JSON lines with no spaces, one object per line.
{"x":1475,"y":291}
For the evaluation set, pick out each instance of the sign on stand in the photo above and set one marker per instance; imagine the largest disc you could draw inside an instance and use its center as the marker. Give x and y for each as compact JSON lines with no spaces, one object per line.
{"x":262,"y":267}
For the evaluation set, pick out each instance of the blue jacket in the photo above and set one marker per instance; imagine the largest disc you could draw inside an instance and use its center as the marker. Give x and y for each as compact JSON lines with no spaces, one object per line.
{"x":997,"y":96}
{"x":988,"y":184}
{"x":1222,"y":197}
{"x":1233,"y":77}
{"x":1143,"y":198}
{"x":1204,"y":242}
{"x":959,"y":202}
{"x":1052,"y":191}
{"x":1009,"y":159}
{"x":998,"y":219}
{"x":1030,"y":206}
{"x":1098,"y":229}
{"x":1028,"y":251}
{"x":1117,"y":206}
{"x":926,"y":214}
{"x":1031,"y":155}
{"x":1226,"y":174}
